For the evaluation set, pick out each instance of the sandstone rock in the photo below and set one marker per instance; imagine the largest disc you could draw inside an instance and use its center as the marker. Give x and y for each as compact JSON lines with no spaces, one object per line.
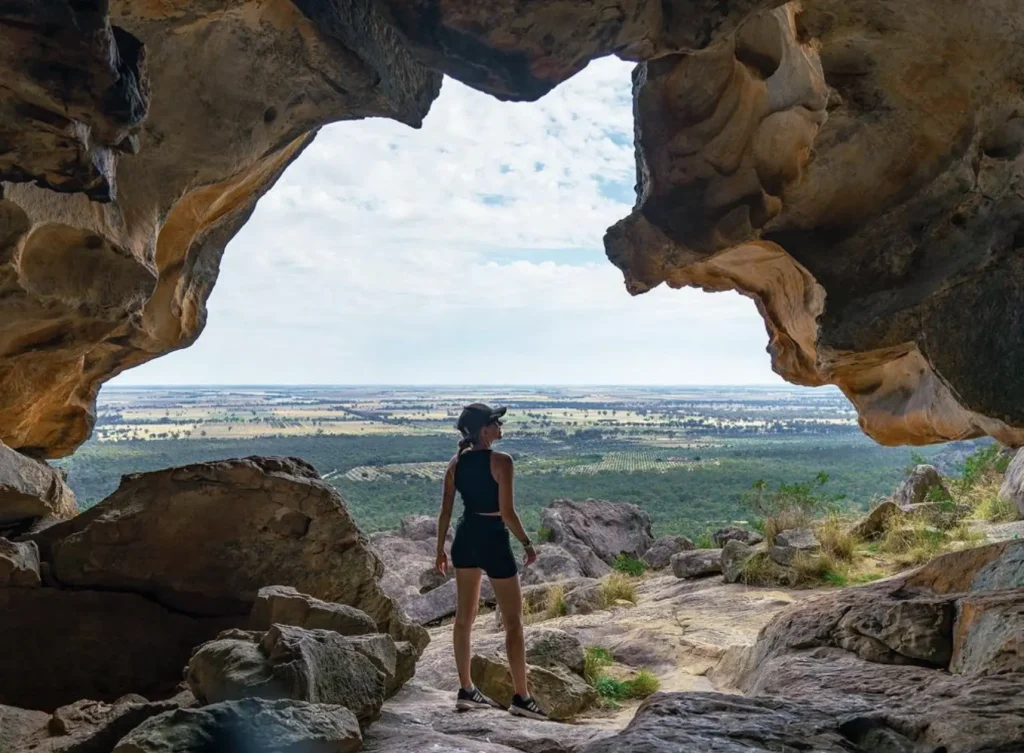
{"x":659,"y":556}
{"x":98,"y":644}
{"x":318,"y":666}
{"x":984,"y":568}
{"x":586,"y":599}
{"x":87,"y":278}
{"x":915,"y":488}
{"x":553,"y":564}
{"x":726,"y":724}
{"x":791,"y":544}
{"x":559,"y":692}
{"x":989,"y":634}
{"x":697,"y":564}
{"x":549,"y":647}
{"x":18,"y":724}
{"x":242,"y":525}
{"x":735,"y":533}
{"x":904,"y":632}
{"x":19,"y":564}
{"x":536,"y":598}
{"x":31,"y":489}
{"x":64,"y":128}
{"x":421,"y":528}
{"x":431,"y":578}
{"x":606,"y":528}
{"x":405,"y":563}
{"x":250,"y":724}
{"x":391,"y":660}
{"x":286,"y":606}
{"x":1013,"y":483}
{"x":93,"y":726}
{"x":735,"y":555}
{"x":440,"y":603}
{"x":875,"y":523}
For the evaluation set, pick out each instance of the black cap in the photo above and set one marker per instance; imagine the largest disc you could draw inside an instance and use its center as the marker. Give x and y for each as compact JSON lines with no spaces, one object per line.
{"x":476,"y":416}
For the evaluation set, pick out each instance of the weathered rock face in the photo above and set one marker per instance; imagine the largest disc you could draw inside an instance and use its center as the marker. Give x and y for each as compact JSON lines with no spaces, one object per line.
{"x":30,"y":490}
{"x":1013,"y":483}
{"x":93,"y":726}
{"x":251,"y":724}
{"x":659,"y":556}
{"x":553,"y":563}
{"x":91,"y":289}
{"x":735,"y":533}
{"x":318,"y":666}
{"x":559,"y":692}
{"x":19,"y":564}
{"x":286,"y":606}
{"x":919,"y":483}
{"x":838,"y":170}
{"x":608,"y":529}
{"x":792,"y":544}
{"x":205,"y":538}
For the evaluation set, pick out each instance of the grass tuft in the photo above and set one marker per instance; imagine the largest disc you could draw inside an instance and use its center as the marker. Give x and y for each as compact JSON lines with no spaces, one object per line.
{"x":629,"y":565}
{"x":995,"y":509}
{"x":611,"y":691}
{"x":835,"y":538}
{"x":597,"y":658}
{"x":704,"y":540}
{"x":545,"y":535}
{"x":618,"y":586}
{"x":556,"y":606}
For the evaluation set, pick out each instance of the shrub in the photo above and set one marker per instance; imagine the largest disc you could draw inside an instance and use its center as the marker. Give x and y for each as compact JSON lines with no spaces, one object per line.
{"x":625,"y":563}
{"x":545,"y":535}
{"x":555,"y":606}
{"x":836,"y":539}
{"x":912,"y":540}
{"x":704,"y":540}
{"x":790,"y":505}
{"x":644,"y":684}
{"x":618,"y":586}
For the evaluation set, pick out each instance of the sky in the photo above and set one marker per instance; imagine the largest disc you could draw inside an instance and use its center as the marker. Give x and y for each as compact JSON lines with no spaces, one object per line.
{"x":465,"y":252}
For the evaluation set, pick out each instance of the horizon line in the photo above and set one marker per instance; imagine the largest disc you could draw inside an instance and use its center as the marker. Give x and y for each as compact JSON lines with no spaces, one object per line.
{"x":495,"y":385}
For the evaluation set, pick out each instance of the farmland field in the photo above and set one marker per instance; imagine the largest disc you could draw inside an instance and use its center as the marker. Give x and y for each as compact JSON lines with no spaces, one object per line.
{"x":685,"y":454}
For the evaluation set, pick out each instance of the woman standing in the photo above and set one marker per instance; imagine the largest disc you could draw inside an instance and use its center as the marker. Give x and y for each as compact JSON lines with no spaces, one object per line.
{"x":483,"y":479}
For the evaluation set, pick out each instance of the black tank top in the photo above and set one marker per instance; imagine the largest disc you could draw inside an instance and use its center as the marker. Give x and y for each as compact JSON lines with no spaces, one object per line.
{"x":474,"y":482}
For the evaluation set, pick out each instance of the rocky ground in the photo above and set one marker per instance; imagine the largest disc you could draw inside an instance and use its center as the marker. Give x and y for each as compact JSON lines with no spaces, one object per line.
{"x":236,"y":606}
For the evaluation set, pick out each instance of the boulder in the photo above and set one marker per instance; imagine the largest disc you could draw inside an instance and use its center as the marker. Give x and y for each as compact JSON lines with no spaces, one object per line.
{"x":553,"y":563}
{"x":916,"y":486}
{"x":391,"y":659}
{"x":19,"y":564}
{"x":537,"y":597}
{"x":17,"y":725}
{"x":318,"y":666}
{"x":736,"y":533}
{"x":409,"y":564}
{"x":421,"y":528}
{"x":1013,"y":483}
{"x":735,"y":555}
{"x":989,"y":634}
{"x":874,"y":524}
{"x":440,"y":603}
{"x":93,"y":726}
{"x":659,"y":556}
{"x":240,"y":525}
{"x":559,"y":692}
{"x":30,"y":489}
{"x":550,"y":647}
{"x":794,"y":543}
{"x":698,"y":563}
{"x":914,"y":631}
{"x":98,"y":645}
{"x":284,"y":605}
{"x":249,"y":724}
{"x":606,"y":528}
{"x":586,"y":599}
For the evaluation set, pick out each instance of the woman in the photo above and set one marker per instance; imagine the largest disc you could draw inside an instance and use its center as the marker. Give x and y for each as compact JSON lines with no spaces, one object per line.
{"x":483,"y":479}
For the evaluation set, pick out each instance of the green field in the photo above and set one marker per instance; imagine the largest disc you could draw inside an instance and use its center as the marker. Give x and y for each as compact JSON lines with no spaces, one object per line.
{"x":686,"y":457}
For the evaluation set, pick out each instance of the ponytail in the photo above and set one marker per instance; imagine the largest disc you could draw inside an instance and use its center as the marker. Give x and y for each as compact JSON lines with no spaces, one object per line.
{"x":467,"y":441}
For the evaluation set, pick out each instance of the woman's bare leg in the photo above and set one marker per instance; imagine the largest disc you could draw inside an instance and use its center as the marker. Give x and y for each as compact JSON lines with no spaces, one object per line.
{"x":510,"y":601}
{"x":467,"y":586}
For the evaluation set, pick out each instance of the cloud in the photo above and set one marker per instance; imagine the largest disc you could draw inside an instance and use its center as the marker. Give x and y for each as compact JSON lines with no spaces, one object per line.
{"x":465,"y":252}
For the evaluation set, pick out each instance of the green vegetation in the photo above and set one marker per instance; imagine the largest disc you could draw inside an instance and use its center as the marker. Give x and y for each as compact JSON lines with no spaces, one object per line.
{"x":789,"y":505}
{"x":611,"y":690}
{"x":703,"y":540}
{"x":556,"y":606}
{"x":545,"y":535}
{"x":629,"y":565}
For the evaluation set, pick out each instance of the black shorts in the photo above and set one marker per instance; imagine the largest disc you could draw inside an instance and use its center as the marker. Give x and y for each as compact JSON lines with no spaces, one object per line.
{"x":483,"y":541}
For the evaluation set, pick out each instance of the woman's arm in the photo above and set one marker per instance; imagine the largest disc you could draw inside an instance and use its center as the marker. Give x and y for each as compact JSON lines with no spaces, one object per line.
{"x":506,"y":496}
{"x":444,"y":515}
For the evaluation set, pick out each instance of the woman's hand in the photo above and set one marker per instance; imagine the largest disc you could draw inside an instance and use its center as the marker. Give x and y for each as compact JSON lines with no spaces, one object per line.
{"x":442,"y":562}
{"x":531,"y":556}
